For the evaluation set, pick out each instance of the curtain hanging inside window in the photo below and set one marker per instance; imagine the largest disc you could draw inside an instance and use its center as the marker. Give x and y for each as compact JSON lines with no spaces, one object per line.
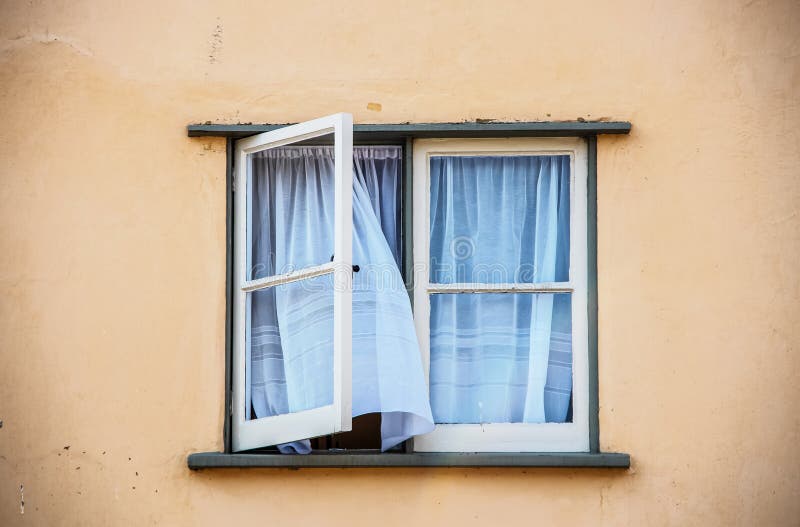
{"x":290,"y":359}
{"x":500,"y":357}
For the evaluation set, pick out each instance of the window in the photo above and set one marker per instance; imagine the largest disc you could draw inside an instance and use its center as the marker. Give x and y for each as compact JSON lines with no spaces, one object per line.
{"x":428,"y":290}
{"x":303,"y":283}
{"x":500,"y":293}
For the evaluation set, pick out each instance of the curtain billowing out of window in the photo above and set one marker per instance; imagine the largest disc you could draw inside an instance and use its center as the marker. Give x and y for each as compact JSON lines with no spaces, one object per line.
{"x":500,"y":357}
{"x":289,"y":365}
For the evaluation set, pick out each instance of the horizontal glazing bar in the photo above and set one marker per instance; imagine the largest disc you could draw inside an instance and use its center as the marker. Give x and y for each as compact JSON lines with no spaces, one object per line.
{"x":543,"y":287}
{"x":302,"y":274}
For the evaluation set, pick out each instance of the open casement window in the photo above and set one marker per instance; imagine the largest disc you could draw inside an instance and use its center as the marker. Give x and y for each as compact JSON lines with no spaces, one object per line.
{"x":311,"y":286}
{"x":500,"y":293}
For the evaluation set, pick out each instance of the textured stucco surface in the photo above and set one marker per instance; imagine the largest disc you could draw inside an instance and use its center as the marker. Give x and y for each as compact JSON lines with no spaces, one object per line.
{"x":112,"y":248}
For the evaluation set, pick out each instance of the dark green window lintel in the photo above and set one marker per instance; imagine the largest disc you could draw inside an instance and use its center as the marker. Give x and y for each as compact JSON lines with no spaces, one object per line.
{"x":397,"y":132}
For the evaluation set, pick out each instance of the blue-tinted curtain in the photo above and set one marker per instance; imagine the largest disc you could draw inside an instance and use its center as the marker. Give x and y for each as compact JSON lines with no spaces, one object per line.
{"x":290,"y":356}
{"x":500,"y":357}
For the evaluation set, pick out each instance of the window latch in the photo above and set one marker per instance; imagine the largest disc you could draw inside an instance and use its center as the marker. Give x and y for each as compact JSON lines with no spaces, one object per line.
{"x":356,"y":267}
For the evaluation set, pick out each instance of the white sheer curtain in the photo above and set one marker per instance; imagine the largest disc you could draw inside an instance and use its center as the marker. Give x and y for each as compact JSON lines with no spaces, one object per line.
{"x":500,"y":357}
{"x":290,"y":359}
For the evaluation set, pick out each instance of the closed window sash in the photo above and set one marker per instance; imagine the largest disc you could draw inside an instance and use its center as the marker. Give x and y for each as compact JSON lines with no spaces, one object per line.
{"x":500,"y":293}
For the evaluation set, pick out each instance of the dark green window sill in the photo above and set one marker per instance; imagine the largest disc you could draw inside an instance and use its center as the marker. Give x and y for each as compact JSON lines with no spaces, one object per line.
{"x":204,"y":460}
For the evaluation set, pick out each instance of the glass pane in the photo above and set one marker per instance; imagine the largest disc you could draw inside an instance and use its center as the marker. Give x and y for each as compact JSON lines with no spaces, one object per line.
{"x":292,"y":209}
{"x":377,"y":172}
{"x":499,"y":219}
{"x":501,"y":357}
{"x":289,"y":348}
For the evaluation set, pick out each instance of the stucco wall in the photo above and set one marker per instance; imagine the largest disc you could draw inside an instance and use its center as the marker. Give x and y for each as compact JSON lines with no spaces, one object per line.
{"x":112,"y":248}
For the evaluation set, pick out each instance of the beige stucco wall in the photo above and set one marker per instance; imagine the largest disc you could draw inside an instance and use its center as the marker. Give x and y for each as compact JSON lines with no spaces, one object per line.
{"x":112,"y":248}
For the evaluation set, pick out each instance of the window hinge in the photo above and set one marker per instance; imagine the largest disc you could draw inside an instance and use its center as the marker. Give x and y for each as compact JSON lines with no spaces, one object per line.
{"x":233,"y":173}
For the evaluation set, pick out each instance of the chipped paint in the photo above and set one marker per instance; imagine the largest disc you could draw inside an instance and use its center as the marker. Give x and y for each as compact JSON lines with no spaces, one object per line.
{"x":216,"y":43}
{"x":45,"y":38}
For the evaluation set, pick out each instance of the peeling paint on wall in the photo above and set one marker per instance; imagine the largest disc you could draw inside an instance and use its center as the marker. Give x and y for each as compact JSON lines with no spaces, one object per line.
{"x":45,"y":38}
{"x":216,"y":44}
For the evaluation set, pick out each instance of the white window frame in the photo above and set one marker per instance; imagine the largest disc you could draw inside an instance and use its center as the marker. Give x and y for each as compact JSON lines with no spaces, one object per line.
{"x":508,"y":437}
{"x":336,"y":417}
